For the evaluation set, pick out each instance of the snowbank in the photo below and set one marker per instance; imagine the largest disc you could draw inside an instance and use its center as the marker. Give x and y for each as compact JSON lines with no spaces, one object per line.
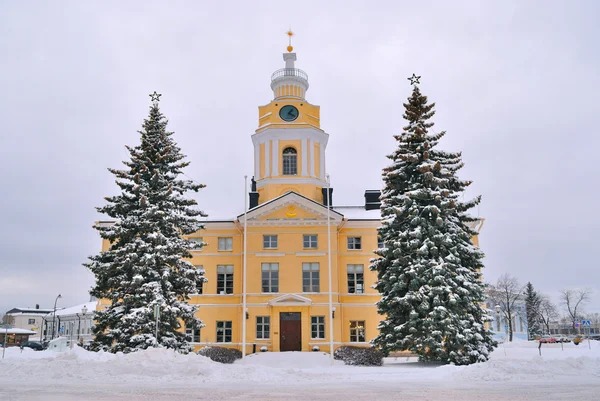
{"x":157,"y":366}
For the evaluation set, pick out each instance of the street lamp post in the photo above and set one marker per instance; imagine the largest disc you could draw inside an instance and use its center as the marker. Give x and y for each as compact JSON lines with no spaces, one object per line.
{"x":54,"y":315}
{"x":83,"y":312}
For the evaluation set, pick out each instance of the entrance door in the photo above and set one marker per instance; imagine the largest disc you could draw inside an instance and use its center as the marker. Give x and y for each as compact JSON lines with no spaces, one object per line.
{"x":290,"y":331}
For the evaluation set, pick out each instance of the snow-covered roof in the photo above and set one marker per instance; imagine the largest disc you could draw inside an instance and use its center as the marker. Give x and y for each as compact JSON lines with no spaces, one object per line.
{"x":17,"y":331}
{"x":28,"y":311}
{"x":358,"y":212}
{"x":72,"y":310}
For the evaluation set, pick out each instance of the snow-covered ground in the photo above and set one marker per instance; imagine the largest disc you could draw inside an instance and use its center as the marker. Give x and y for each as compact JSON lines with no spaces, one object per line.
{"x":515,"y":372}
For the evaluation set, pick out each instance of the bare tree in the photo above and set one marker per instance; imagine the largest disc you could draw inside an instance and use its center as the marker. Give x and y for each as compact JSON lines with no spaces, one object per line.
{"x":547,"y":312}
{"x":574,"y":300}
{"x":505,"y":295}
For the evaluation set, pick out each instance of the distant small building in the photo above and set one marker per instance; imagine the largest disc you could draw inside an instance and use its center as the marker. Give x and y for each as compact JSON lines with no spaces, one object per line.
{"x":499,"y":324}
{"x":75,"y":322}
{"x":15,"y":336}
{"x":31,"y":319}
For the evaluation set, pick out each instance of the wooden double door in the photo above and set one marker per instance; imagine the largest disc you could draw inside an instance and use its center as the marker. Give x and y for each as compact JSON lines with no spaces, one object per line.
{"x":290,"y":331}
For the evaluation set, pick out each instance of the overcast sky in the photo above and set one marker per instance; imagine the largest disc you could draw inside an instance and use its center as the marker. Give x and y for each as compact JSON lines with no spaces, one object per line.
{"x":516,"y":86}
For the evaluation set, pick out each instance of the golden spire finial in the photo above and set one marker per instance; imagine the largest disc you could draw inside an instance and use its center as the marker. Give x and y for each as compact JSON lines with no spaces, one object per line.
{"x":289,"y":33}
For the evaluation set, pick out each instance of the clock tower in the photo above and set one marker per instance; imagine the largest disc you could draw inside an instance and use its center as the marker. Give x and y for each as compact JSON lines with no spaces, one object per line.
{"x":289,"y":144}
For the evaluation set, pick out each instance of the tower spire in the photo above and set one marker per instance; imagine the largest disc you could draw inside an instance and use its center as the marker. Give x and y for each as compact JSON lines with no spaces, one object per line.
{"x":289,"y":33}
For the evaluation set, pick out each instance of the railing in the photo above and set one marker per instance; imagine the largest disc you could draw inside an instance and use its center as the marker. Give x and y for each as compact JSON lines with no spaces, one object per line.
{"x":289,"y":72}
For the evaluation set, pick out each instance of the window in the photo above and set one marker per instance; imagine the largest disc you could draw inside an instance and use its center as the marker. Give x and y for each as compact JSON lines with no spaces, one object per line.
{"x":224,"y":331}
{"x":357,"y":331}
{"x":225,"y":243}
{"x":310,"y":241}
{"x":200,"y":285}
{"x":263,"y":324}
{"x":354,"y":243}
{"x":310,"y":277}
{"x":270,"y":277}
{"x":317,"y":327}
{"x":193,"y":333}
{"x":290,"y":161}
{"x":31,"y":321}
{"x":197,"y":243}
{"x":356,"y":284}
{"x":270,"y":241}
{"x":379,"y":242}
{"x":224,"y":279}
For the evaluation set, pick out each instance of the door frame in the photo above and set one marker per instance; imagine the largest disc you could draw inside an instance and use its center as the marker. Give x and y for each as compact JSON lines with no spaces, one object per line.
{"x":299,"y":328}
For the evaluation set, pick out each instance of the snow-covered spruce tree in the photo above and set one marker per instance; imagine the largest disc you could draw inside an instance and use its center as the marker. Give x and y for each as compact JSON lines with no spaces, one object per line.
{"x":146,"y":264}
{"x":428,"y":269}
{"x":533,"y":303}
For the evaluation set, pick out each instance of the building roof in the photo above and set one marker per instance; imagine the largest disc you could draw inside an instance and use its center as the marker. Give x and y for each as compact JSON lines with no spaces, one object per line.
{"x":72,"y":310}
{"x":28,"y":311}
{"x":17,"y":331}
{"x":358,"y":212}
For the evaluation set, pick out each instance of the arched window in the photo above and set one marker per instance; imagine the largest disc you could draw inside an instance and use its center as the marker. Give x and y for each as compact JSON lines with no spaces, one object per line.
{"x":290,"y":161}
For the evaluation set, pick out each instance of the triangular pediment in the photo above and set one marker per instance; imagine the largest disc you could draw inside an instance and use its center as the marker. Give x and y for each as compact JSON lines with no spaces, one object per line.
{"x":290,"y":300}
{"x":291,"y":209}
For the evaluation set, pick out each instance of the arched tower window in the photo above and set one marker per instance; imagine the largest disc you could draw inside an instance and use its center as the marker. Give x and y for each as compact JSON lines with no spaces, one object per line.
{"x":290,"y":161}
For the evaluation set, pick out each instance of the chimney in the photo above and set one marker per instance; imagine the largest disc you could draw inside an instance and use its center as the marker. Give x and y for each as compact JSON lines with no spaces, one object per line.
{"x":253,"y":195}
{"x":324,"y":191}
{"x":372,"y":199}
{"x":37,"y":306}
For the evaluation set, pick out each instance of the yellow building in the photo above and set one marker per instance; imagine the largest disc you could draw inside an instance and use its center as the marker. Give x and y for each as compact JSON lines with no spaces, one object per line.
{"x":284,"y":240}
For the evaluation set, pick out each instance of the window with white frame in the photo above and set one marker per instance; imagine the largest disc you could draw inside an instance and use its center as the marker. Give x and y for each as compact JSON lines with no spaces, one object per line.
{"x":380,"y":243}
{"x":263,"y":327}
{"x":357,"y":331}
{"x":196,"y":243}
{"x":290,"y":161}
{"x":310,"y":277}
{"x":224,"y":279}
{"x":354,"y":243}
{"x":317,"y":327}
{"x":309,"y":241}
{"x":270,"y":241}
{"x":270,"y":277}
{"x":356,"y":283}
{"x":200,"y":285}
{"x":31,"y":321}
{"x":224,"y":331}
{"x":194,"y":334}
{"x":225,"y":243}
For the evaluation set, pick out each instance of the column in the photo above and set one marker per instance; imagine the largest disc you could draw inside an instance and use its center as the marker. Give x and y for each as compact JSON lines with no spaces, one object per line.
{"x":304,"y":157}
{"x":311,"y":152}
{"x":257,"y":161}
{"x":275,"y":163}
{"x":267,"y":158}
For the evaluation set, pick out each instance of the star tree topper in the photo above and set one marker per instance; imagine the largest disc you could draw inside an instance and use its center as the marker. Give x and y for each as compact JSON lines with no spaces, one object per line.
{"x":414,"y":80}
{"x":155,"y":96}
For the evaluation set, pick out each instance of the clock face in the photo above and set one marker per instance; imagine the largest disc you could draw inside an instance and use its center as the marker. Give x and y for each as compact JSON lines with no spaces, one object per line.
{"x":288,"y":113}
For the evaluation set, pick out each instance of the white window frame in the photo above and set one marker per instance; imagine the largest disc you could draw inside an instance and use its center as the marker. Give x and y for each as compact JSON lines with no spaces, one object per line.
{"x":227,"y":272}
{"x":270,"y":241}
{"x":317,"y":324}
{"x":263,"y":327}
{"x":354,"y":271}
{"x":312,"y":271}
{"x":267,"y":270}
{"x":354,"y":243}
{"x":358,"y":329}
{"x":31,"y":321}
{"x":197,"y":240}
{"x":307,"y":239}
{"x":225,"y":244}
{"x":222,"y":331}
{"x":193,"y":333}
{"x":292,"y":161}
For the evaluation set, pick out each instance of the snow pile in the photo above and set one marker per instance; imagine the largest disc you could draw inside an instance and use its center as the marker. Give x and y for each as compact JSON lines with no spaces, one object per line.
{"x":157,"y":367}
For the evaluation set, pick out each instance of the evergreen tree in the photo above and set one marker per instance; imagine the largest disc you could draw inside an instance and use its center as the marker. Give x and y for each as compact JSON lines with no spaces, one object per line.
{"x":145,"y":264}
{"x":532,"y":307}
{"x":428,"y":269}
